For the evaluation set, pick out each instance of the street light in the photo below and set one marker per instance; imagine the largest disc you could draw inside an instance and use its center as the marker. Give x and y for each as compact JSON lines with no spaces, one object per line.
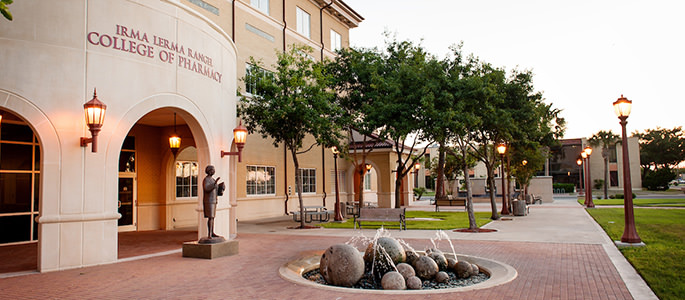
{"x":622,"y":108}
{"x":501,"y":149}
{"x":338,"y":214}
{"x":588,"y":183}
{"x":579,"y":162}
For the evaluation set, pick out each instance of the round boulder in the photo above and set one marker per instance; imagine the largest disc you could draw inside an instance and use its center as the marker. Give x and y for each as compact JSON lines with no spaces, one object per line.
{"x":406,"y":270}
{"x":450,"y":263}
{"x":414,"y":283}
{"x":425,"y":267}
{"x":474,"y":270}
{"x":439,"y":259}
{"x":393,"y":281}
{"x":411,"y":256}
{"x":442,"y":277}
{"x":463,"y":269}
{"x":341,"y":265}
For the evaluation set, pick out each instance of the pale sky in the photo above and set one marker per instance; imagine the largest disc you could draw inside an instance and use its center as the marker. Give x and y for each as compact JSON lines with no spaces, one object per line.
{"x":584,"y":54}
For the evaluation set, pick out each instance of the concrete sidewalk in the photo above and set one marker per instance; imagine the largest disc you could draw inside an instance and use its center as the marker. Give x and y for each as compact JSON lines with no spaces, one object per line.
{"x":558,"y":251}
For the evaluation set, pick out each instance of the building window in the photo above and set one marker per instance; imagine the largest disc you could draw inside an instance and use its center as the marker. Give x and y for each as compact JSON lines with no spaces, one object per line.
{"x":186,"y":179}
{"x":19,"y":180}
{"x":367,"y":181}
{"x":336,"y":41}
{"x":303,"y":22}
{"x":613,"y":178}
{"x":252,"y":75}
{"x":341,"y":181}
{"x":261,"y":180}
{"x":308,"y":179}
{"x":261,"y":5}
{"x":612,"y":154}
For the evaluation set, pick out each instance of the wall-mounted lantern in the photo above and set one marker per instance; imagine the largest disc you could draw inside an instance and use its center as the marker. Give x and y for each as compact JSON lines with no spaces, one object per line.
{"x":95,"y":117}
{"x":239,"y":137}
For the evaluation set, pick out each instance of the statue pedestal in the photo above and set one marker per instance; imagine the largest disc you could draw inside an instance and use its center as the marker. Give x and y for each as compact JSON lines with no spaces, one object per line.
{"x":210,"y":251}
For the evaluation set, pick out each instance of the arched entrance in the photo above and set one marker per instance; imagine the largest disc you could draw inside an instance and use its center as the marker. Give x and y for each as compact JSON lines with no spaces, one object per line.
{"x":157,"y":190}
{"x":20,"y":178}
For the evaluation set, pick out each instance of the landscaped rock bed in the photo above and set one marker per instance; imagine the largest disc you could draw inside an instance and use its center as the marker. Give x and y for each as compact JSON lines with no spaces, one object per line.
{"x":367,"y":281}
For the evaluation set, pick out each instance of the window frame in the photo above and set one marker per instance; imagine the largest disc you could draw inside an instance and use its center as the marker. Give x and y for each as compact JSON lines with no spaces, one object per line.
{"x":336,"y":41}
{"x":192,"y":185}
{"x":261,"y":5}
{"x":308,"y":185}
{"x":269,"y":186}
{"x":300,"y":22}
{"x":252,"y":79}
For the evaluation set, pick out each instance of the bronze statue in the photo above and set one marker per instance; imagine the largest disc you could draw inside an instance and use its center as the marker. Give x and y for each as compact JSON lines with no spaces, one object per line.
{"x":212,"y":189}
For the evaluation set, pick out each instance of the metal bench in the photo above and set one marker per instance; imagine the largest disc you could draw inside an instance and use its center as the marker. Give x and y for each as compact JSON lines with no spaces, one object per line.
{"x":367,"y":214}
{"x":449,"y":201}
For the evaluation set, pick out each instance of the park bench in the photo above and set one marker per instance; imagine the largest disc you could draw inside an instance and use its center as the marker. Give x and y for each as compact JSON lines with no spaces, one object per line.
{"x":449,"y":201}
{"x":368,"y":214}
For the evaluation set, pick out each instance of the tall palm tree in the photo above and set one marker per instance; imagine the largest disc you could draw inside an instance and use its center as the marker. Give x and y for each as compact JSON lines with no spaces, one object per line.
{"x":607,"y":140}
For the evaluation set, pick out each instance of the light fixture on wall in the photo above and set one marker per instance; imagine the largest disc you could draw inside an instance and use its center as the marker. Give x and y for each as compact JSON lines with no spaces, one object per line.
{"x":239,"y":137}
{"x":95,"y":116}
{"x":417,"y":166}
{"x":174,"y":140}
{"x":368,"y":167}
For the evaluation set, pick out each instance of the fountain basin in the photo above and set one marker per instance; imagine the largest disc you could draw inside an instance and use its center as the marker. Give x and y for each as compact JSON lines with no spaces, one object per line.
{"x":500,"y":273}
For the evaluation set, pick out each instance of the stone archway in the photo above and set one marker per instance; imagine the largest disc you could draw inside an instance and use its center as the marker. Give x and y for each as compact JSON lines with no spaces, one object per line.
{"x":49,"y":169}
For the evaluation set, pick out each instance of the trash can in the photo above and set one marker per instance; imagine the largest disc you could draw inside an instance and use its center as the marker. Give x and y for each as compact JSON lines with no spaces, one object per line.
{"x":519,"y":208}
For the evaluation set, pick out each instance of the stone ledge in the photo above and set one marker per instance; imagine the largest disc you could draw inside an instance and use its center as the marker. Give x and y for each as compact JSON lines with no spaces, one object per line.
{"x":210,"y":251}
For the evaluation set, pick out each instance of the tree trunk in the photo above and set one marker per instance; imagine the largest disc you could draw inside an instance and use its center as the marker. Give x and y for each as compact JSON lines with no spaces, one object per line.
{"x":440,"y":184}
{"x":491,"y":185}
{"x":469,"y":193}
{"x":398,"y":184}
{"x":298,"y":186}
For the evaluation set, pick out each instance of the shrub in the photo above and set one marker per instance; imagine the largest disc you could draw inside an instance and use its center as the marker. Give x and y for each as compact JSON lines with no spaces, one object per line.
{"x":567,"y":187}
{"x":418,"y":192}
{"x":599,"y":183}
{"x":620,"y":196}
{"x":658,"y":180}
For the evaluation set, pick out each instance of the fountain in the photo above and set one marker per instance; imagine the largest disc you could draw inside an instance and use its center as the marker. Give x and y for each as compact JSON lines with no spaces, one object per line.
{"x":392,"y":265}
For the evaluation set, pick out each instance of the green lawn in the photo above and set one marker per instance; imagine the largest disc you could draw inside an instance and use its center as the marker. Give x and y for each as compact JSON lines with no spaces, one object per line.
{"x":640,"y":202}
{"x":660,"y":262}
{"x":448,"y":220}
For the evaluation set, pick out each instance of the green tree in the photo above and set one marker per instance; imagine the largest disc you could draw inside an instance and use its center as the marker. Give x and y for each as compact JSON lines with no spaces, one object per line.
{"x":5,"y":10}
{"x":292,"y":104}
{"x":398,"y":111}
{"x":607,"y":140}
{"x":354,"y":72}
{"x":661,"y":148}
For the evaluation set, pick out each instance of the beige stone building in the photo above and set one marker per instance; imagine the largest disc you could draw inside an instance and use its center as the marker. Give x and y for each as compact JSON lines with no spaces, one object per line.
{"x":163,"y":68}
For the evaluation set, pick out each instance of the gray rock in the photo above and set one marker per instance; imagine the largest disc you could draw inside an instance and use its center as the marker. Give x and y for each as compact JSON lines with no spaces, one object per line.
{"x":406,"y":270}
{"x":442,"y":277}
{"x":393,"y":281}
{"x":450,"y":263}
{"x":474,"y":270}
{"x":341,"y":265}
{"x":439,"y":259}
{"x":463,"y":269}
{"x":411,"y":256}
{"x":414,"y":283}
{"x":425,"y":267}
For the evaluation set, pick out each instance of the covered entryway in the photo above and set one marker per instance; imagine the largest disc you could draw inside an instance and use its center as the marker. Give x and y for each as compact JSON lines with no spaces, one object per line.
{"x":157,"y":184}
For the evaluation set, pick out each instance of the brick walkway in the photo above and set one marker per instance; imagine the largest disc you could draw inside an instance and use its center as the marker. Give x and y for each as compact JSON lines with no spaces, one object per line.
{"x":545,"y":271}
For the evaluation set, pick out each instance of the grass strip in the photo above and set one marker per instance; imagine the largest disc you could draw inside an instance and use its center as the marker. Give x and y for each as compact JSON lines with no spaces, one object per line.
{"x":640,"y":202}
{"x":660,"y":263}
{"x":448,"y":220}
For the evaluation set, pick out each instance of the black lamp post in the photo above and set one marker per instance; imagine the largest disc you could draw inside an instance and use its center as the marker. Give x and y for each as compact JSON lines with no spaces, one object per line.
{"x":588,"y":183}
{"x":501,"y":149}
{"x":338,"y":214}
{"x":622,"y":108}
{"x":579,"y":162}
